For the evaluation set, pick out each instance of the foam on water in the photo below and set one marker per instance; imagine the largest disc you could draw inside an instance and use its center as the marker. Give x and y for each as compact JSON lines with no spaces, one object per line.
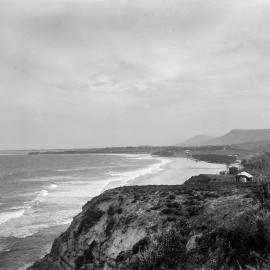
{"x":8,"y":215}
{"x":75,"y":169}
{"x":124,"y":178}
{"x":40,"y":197}
{"x":53,"y":186}
{"x":44,"y":192}
{"x":55,"y":190}
{"x":48,"y":209}
{"x":65,"y":198}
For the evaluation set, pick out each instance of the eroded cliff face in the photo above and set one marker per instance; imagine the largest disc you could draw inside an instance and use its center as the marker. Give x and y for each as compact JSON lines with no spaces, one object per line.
{"x":126,"y":228}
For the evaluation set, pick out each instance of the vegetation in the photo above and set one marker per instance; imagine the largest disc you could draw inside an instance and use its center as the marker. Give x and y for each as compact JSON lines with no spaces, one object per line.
{"x":87,"y":256}
{"x":166,"y":251}
{"x":259,"y":166}
{"x":215,"y":158}
{"x":233,"y":170}
{"x":209,"y":222}
{"x":92,"y":216}
{"x":245,"y":244}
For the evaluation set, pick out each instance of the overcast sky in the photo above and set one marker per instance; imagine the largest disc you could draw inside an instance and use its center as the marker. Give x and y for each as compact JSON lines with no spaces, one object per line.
{"x":108,"y":73}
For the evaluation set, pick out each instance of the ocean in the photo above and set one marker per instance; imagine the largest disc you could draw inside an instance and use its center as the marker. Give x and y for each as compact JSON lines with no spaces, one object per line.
{"x":40,"y":194}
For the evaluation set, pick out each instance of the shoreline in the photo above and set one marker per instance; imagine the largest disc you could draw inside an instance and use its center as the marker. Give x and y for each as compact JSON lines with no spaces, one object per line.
{"x":166,"y":171}
{"x":176,"y":172}
{"x":126,"y":219}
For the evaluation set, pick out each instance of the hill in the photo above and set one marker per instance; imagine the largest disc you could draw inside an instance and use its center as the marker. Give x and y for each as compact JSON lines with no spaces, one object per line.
{"x":198,"y":140}
{"x":235,"y":136}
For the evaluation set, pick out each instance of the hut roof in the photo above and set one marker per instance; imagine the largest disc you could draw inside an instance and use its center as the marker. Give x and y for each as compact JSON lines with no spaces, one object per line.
{"x":245,"y":174}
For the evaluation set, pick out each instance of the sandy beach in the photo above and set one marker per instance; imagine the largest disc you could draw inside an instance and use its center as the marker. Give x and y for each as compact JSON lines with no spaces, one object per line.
{"x":177,"y":170}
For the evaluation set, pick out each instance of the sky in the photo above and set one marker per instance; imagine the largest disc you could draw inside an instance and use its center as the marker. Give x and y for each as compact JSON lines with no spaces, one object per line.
{"x":119,"y":72}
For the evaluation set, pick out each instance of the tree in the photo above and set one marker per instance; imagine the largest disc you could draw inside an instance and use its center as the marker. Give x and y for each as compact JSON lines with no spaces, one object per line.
{"x":233,"y":170}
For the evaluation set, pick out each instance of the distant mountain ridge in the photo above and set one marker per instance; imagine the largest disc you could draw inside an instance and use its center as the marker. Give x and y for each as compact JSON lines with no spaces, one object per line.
{"x":199,"y":139}
{"x":235,"y":136}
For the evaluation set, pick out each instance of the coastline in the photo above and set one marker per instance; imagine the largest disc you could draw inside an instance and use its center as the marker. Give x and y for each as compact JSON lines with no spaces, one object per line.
{"x":168,"y":171}
{"x":165,"y":171}
{"x":177,"y":171}
{"x":130,"y":226}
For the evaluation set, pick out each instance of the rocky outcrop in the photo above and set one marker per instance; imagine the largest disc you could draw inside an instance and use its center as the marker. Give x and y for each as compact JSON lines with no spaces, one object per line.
{"x":139,"y":227}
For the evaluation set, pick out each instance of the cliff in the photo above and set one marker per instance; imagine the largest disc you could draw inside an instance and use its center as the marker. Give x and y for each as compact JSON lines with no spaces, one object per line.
{"x":208,"y":222}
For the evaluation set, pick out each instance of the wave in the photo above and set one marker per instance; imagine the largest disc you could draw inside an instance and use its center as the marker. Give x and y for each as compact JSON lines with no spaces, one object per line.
{"x":40,"y":197}
{"x":33,"y":224}
{"x":8,"y":215}
{"x":19,"y":211}
{"x":35,"y":216}
{"x":78,"y":169}
{"x":124,"y":178}
{"x":75,"y":169}
{"x":140,"y":157}
{"x":26,"y":265}
{"x":44,"y":178}
{"x":53,"y":186}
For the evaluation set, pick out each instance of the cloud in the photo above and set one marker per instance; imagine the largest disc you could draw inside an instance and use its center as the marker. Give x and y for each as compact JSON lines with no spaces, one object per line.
{"x":125,"y":65}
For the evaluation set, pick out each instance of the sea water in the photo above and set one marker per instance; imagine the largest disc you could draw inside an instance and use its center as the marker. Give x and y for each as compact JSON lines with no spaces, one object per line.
{"x":40,"y":194}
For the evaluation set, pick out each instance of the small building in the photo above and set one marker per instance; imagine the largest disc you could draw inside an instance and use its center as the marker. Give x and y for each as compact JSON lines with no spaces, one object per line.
{"x":243,"y":177}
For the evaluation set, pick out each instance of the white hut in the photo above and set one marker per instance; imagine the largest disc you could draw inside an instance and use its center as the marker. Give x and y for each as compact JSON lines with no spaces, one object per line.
{"x":244,"y":177}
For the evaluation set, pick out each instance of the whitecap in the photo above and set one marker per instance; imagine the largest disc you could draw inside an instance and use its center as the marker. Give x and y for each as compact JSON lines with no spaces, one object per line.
{"x":124,"y":178}
{"x":53,"y":186}
{"x":8,"y":215}
{"x":38,"y":199}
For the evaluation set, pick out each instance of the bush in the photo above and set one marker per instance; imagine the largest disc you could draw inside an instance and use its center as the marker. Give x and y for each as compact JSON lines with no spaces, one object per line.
{"x":233,"y":170}
{"x":173,"y":205}
{"x":109,"y":227}
{"x":262,"y":193}
{"x":237,"y":246}
{"x":111,"y":211}
{"x":122,"y":256}
{"x":194,"y":210}
{"x":211,"y":195}
{"x":90,"y":218}
{"x":170,"y":211}
{"x":171,"y":197}
{"x":166,"y":251}
{"x":140,"y":245}
{"x":128,"y":219}
{"x":87,"y":256}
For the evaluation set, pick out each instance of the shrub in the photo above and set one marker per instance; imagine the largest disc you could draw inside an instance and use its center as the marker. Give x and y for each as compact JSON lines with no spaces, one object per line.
{"x":211,"y":195}
{"x":91,"y":217}
{"x":128,"y":219}
{"x":194,"y":210}
{"x":173,"y":205}
{"x":236,"y":247}
{"x":111,"y":211}
{"x":171,"y":197}
{"x":262,"y":193}
{"x":166,"y":251}
{"x":87,"y":256}
{"x":233,"y":170}
{"x":171,"y":219}
{"x":140,"y":245}
{"x":170,"y":211}
{"x":109,"y":227}
{"x":122,"y":256}
{"x":191,"y":202}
